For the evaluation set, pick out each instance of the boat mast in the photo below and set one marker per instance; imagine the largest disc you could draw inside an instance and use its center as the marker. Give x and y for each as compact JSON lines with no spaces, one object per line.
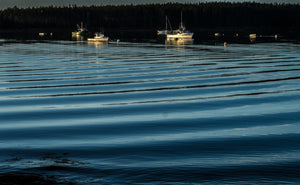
{"x":181,"y":24}
{"x":170,"y":24}
{"x":166,"y":22}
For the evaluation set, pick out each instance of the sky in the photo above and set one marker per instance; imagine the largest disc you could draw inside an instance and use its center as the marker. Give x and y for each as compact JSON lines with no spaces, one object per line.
{"x":37,"y":3}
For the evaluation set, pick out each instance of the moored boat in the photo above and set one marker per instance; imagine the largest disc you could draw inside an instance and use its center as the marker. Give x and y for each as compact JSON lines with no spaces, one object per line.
{"x":99,"y":37}
{"x":181,"y":34}
{"x":252,"y":36}
{"x":81,"y":31}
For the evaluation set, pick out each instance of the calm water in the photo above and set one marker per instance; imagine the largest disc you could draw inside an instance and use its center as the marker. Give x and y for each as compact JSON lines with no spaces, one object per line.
{"x":148,"y":113}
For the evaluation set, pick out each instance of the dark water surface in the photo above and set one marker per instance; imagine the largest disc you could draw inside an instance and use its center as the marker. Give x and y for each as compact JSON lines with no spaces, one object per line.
{"x":145,"y":113}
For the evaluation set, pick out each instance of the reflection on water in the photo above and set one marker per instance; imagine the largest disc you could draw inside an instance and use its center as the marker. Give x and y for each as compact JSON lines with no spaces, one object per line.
{"x":98,"y":44}
{"x":252,"y":40}
{"x":179,"y":42}
{"x":78,"y":38}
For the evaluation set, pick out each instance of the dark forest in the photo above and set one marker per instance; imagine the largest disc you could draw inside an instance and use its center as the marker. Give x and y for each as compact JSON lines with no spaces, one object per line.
{"x":247,"y":17}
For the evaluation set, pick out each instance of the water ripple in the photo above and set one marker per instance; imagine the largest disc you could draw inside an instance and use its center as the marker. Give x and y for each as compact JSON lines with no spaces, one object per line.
{"x":143,"y":108}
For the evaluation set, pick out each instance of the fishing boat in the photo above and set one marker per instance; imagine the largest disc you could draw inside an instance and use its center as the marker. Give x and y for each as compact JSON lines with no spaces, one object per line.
{"x":166,"y":31}
{"x":81,"y":31}
{"x":99,"y":37}
{"x":181,"y":34}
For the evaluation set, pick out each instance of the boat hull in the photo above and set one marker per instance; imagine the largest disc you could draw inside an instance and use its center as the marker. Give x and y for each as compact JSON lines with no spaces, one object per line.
{"x":180,"y":37}
{"x":78,"y":34}
{"x":98,"y":39}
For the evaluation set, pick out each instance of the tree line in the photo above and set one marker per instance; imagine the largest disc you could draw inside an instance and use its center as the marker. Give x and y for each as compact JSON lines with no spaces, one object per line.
{"x":197,"y":17}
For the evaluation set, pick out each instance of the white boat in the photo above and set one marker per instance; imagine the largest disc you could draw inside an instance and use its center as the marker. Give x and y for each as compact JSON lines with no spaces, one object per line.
{"x":81,"y":31}
{"x":99,"y":37}
{"x":181,"y":34}
{"x":252,"y":36}
{"x":166,"y":31}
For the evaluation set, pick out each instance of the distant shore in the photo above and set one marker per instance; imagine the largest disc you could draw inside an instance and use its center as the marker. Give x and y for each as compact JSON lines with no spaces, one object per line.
{"x":222,"y":17}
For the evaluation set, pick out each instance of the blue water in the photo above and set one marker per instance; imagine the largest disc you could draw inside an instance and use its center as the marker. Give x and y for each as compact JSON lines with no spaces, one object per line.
{"x":145,"y":113}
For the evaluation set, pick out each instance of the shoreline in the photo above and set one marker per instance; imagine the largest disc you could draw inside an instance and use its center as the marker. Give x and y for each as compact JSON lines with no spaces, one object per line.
{"x":146,"y":35}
